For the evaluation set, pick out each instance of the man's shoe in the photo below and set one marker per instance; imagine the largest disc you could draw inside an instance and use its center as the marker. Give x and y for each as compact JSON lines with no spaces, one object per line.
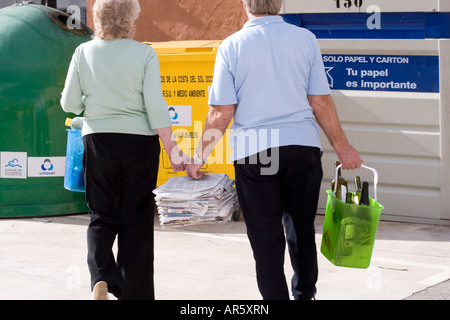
{"x":100,"y":291}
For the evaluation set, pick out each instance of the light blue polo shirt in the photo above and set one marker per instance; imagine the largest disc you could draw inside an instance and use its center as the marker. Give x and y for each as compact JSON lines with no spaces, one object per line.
{"x":267,"y":69}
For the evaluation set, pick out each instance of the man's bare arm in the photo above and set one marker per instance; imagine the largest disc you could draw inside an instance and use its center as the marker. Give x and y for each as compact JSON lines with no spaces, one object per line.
{"x":327,"y":117}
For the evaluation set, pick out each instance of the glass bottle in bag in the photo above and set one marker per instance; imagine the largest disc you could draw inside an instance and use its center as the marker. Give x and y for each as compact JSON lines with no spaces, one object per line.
{"x":349,"y":198}
{"x":365,"y":194}
{"x":358,"y":190}
{"x":343,"y":193}
{"x":340,"y":181}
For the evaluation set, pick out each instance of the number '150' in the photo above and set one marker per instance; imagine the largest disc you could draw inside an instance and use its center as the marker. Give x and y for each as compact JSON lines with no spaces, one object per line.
{"x":349,"y":3}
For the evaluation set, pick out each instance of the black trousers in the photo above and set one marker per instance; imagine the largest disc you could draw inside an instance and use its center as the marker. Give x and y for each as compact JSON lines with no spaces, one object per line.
{"x":290,"y":195}
{"x":120,"y":174}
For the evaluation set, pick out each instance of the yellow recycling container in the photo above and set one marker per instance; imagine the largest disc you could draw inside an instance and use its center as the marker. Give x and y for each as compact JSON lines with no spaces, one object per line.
{"x":187,"y":69}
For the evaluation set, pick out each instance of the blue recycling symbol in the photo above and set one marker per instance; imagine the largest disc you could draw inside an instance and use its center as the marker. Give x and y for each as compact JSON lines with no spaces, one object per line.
{"x":47,"y":165}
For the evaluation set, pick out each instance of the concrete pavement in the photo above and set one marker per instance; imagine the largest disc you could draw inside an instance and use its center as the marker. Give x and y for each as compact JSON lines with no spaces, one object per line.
{"x":45,"y":259}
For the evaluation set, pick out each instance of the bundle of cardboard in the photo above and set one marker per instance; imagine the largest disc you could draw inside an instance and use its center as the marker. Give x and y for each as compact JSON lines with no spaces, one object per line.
{"x":185,"y":201}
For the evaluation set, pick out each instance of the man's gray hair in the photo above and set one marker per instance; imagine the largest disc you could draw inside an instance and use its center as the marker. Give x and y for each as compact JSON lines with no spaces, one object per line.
{"x":259,"y":7}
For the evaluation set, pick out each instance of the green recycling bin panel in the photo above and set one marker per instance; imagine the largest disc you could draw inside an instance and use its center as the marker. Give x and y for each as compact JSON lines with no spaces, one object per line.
{"x":36,"y":46}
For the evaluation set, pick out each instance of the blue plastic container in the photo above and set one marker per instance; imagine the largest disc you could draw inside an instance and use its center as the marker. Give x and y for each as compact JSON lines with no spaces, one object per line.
{"x":73,"y":177}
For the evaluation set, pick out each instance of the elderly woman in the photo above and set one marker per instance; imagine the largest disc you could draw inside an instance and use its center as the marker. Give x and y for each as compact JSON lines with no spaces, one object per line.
{"x":116,"y":82}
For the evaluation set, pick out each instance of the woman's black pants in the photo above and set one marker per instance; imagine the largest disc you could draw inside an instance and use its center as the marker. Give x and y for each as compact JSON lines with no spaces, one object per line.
{"x":289,"y":194}
{"x":120,"y":174}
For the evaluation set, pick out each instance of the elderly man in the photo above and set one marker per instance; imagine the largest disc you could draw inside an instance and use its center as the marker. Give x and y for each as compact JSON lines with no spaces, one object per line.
{"x":269,"y":77}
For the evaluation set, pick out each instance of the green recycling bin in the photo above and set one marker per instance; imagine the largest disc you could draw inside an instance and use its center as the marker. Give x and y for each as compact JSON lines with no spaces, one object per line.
{"x":36,"y":45}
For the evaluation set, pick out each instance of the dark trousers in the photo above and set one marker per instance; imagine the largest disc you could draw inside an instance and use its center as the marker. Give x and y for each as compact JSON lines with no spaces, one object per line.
{"x":120,"y":174}
{"x":290,"y":196}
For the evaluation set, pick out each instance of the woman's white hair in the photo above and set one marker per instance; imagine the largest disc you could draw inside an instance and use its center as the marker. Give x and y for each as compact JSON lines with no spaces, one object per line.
{"x":114,"y":19}
{"x":260,"y":7}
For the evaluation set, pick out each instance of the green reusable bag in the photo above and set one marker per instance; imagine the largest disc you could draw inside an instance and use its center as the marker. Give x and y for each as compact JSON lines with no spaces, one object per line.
{"x":349,"y":230}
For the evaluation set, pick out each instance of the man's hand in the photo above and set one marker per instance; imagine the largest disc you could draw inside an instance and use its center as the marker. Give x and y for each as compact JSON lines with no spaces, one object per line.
{"x":349,"y":158}
{"x":193,"y":170}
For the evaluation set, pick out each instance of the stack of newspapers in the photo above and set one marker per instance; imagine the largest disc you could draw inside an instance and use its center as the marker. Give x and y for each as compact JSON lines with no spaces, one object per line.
{"x":185,"y":201}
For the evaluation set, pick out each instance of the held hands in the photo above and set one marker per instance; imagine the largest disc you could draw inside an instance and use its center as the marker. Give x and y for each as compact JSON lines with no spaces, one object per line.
{"x":193,"y":170}
{"x":181,"y":162}
{"x":178,"y":160}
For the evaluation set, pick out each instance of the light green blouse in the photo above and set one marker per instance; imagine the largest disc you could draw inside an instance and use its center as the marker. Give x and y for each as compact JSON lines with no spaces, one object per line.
{"x":118,"y":86}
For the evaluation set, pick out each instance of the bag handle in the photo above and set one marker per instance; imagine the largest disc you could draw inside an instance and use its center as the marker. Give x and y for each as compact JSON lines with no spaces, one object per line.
{"x":375,"y":178}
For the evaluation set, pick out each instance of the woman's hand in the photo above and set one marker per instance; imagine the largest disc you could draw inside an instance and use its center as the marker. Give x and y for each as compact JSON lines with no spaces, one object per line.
{"x":178,"y":159}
